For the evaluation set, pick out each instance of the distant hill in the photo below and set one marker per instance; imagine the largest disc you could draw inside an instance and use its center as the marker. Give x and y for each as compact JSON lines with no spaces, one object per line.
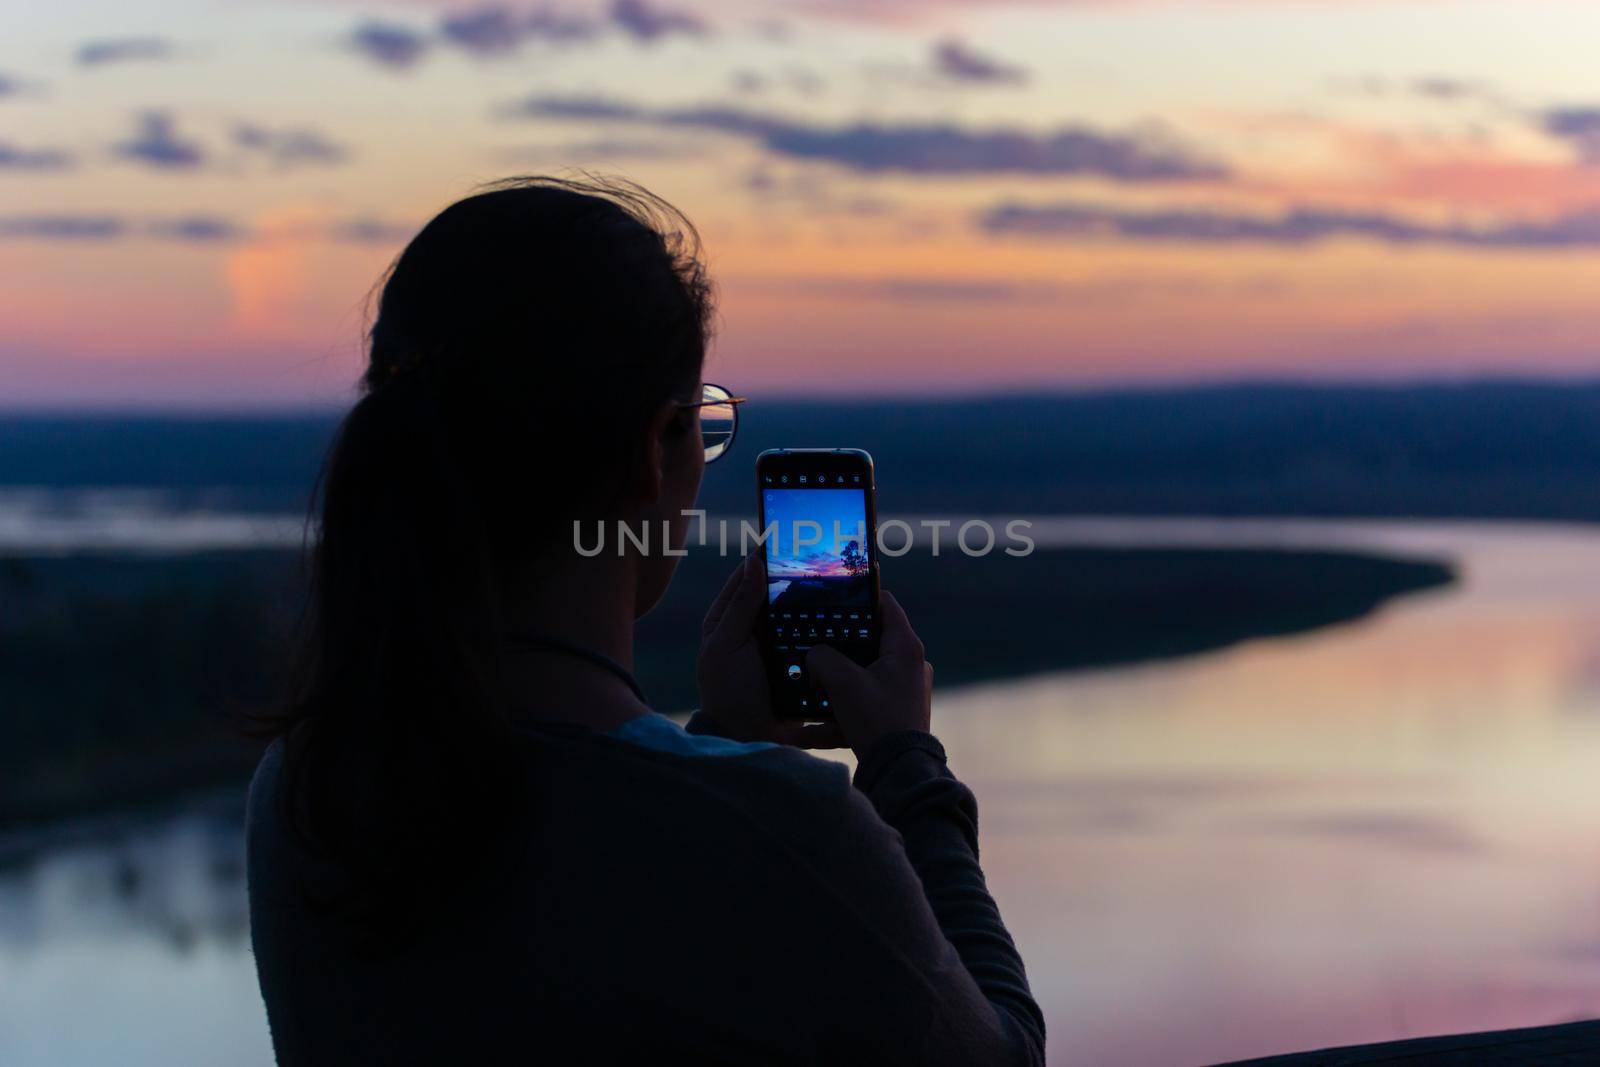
{"x":1486,"y":450}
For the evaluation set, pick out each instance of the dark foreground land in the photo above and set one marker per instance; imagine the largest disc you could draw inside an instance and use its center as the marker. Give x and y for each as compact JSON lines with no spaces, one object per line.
{"x":830,"y":592}
{"x":128,"y":678}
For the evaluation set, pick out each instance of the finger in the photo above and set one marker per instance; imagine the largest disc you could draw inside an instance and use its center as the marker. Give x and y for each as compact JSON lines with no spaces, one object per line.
{"x":838,"y":676}
{"x":739,"y":615}
{"x":820,"y":735}
{"x":720,"y":604}
{"x":899,"y":639}
{"x":790,"y":732}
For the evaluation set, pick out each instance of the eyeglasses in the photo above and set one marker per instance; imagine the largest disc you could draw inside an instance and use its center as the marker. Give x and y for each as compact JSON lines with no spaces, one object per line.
{"x":719,"y":418}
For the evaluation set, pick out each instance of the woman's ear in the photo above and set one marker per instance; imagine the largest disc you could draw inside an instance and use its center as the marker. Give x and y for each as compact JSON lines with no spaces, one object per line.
{"x":650,"y":473}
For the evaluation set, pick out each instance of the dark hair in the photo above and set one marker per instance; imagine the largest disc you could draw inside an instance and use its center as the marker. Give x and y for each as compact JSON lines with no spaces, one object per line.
{"x":523,"y":340}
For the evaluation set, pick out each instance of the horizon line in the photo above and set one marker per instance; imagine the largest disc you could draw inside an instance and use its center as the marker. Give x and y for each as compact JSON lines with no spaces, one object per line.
{"x":222,"y":409}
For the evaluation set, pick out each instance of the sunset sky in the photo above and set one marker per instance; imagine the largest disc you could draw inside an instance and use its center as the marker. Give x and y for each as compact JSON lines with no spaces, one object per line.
{"x":838,"y":515}
{"x":930,"y":197}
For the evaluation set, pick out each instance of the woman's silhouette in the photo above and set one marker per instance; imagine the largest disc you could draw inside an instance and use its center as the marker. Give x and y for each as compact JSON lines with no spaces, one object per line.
{"x":471,"y":840}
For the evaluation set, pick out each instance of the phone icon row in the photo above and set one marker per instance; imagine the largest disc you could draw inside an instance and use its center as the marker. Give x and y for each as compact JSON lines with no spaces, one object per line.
{"x":813,"y":633}
{"x":819,"y":479}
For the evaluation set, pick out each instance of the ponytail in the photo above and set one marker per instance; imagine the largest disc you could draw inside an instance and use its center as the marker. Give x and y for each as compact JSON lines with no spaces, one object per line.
{"x":396,"y":741}
{"x":522,"y":340}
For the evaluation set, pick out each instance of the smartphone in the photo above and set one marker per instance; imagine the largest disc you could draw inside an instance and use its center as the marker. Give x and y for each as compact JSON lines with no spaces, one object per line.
{"x":819,"y":522}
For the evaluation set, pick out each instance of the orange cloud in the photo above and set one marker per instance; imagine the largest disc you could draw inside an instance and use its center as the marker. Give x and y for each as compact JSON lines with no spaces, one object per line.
{"x":267,"y":279}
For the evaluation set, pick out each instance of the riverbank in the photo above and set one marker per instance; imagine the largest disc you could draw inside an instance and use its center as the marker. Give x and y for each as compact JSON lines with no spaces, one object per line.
{"x":126,"y":678}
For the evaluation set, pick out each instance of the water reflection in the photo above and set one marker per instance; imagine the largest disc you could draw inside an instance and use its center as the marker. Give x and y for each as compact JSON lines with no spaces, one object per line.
{"x":60,"y":521}
{"x":127,"y":941}
{"x":1365,"y":832}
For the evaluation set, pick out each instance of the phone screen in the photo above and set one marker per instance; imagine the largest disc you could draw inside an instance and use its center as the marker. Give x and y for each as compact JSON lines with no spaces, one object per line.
{"x":818,"y":556}
{"x":819,"y":519}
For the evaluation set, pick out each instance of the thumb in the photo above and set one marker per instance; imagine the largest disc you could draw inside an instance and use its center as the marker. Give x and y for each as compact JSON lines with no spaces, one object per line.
{"x":739,"y":618}
{"x":837,"y":674}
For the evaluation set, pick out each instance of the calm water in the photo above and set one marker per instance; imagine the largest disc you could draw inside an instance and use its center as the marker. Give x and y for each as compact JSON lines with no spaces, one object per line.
{"x":1372,"y":831}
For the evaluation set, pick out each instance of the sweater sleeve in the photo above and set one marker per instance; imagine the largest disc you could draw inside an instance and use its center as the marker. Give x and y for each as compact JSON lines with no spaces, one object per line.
{"x":929,"y":975}
{"x":906,"y":778}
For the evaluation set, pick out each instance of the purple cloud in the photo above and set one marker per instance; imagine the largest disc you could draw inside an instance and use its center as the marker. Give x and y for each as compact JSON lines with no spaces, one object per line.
{"x":1298,"y":226}
{"x":62,"y":227}
{"x":957,"y":61}
{"x":547,"y":24}
{"x":202,"y":229}
{"x":938,"y":148}
{"x":288,"y":147}
{"x":199,"y":229}
{"x":600,"y":151}
{"x":14,"y":158}
{"x":196,"y":229}
{"x":910,"y":148}
{"x":123,"y":49}
{"x":157,"y":144}
{"x":368,"y":230}
{"x":496,"y":31}
{"x":486,"y":31}
{"x":647,"y":22}
{"x":1578,"y":126}
{"x":389,"y":44}
{"x":9,"y":85}
{"x":596,"y":108}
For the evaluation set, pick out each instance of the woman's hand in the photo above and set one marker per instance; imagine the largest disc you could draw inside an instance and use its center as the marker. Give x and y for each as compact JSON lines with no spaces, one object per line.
{"x":895,"y":693}
{"x":735,"y":701}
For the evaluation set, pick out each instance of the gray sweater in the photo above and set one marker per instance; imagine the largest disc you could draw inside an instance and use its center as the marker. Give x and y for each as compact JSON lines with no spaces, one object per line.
{"x":745,"y":909}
